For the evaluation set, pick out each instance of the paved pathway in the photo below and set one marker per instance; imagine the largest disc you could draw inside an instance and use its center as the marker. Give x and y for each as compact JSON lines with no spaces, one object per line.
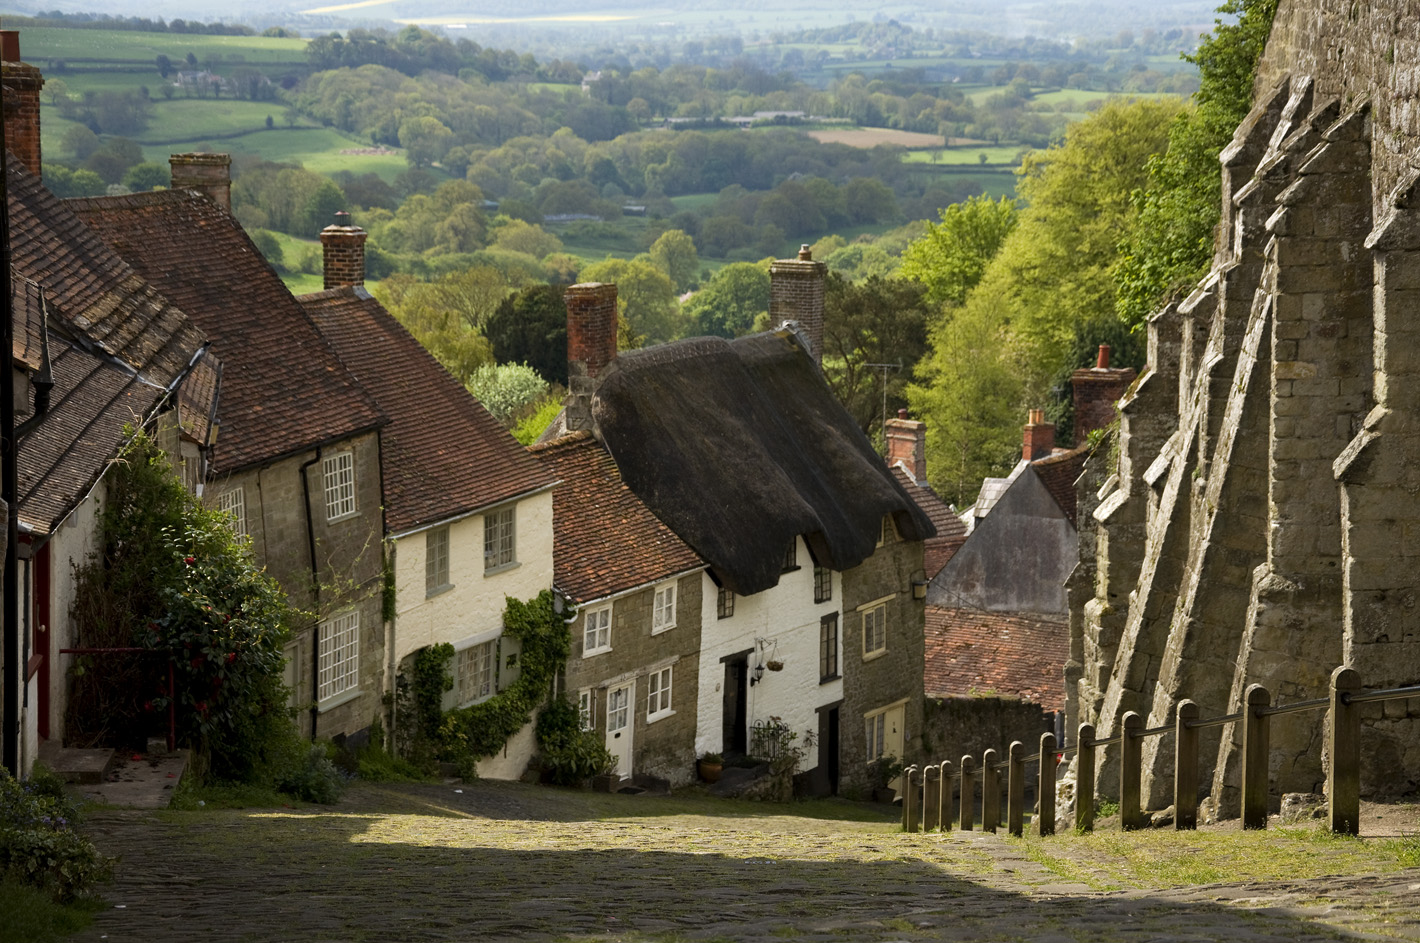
{"x":497,"y":862}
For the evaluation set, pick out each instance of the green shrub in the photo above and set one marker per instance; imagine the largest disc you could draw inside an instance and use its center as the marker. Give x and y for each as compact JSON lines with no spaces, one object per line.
{"x":314,"y":780}
{"x":568,"y":753}
{"x":38,"y":844}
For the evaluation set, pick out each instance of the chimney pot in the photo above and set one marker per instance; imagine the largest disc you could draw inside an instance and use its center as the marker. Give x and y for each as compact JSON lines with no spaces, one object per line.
{"x":1039,"y":436}
{"x":804,"y":254}
{"x":902,"y":414}
{"x":342,"y":218}
{"x":10,"y":45}
{"x":1102,"y":360}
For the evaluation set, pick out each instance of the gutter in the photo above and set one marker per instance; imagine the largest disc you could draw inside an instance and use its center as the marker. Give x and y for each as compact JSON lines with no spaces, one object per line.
{"x":315,"y":589}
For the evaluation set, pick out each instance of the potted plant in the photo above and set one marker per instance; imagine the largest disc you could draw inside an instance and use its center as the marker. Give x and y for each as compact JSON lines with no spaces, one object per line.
{"x":774,"y":664}
{"x":710,"y":766}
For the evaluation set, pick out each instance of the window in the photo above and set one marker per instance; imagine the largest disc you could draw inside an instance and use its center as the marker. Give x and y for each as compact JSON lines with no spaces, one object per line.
{"x":663,"y":609}
{"x":339,"y":655}
{"x":889,"y":530}
{"x":725,"y":603}
{"x":339,"y":485}
{"x":658,"y":702}
{"x":585,"y":708}
{"x":828,"y":648}
{"x":597,"y":637}
{"x":823,"y":584}
{"x":436,"y":561}
{"x":875,"y":730}
{"x":498,"y":544}
{"x":875,"y":629}
{"x":791,"y":556}
{"x":234,"y":502}
{"x":475,"y":671}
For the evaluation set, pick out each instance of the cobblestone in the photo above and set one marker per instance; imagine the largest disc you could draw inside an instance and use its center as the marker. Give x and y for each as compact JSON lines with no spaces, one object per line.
{"x":503,"y":861}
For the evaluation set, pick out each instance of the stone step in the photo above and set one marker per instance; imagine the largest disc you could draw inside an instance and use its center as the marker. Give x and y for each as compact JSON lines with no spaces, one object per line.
{"x":81,"y":766}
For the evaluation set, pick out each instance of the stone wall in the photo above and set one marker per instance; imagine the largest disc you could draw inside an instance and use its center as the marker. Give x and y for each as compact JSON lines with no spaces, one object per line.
{"x":1256,"y":527}
{"x":956,"y":726}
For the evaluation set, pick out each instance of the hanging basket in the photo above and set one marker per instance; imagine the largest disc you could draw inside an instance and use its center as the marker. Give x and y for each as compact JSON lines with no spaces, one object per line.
{"x":774,"y":665}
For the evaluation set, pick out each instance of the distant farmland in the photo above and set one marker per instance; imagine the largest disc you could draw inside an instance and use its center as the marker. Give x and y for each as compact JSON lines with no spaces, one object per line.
{"x":872,"y":137}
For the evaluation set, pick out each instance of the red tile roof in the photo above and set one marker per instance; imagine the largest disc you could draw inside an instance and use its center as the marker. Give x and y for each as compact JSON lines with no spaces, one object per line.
{"x":606,"y":541}
{"x":951,"y":532}
{"x":1059,"y":471}
{"x":971,"y":651}
{"x":444,"y":455}
{"x":284,"y":390}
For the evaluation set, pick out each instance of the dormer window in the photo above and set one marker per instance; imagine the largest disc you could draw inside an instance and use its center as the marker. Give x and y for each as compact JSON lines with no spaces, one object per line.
{"x":791,"y":556}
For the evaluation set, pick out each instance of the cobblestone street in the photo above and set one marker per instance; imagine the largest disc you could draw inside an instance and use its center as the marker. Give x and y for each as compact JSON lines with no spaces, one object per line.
{"x":501,"y":861}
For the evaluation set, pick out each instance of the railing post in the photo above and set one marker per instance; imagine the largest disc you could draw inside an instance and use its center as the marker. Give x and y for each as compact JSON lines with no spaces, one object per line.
{"x":1016,"y":789}
{"x":990,"y":792}
{"x":911,"y":817}
{"x":968,"y":792}
{"x":1085,"y":779}
{"x":1131,"y":770}
{"x":931,"y":796}
{"x":1045,"y":790}
{"x":1343,"y":735}
{"x":945,"y":815}
{"x":1255,"y":748}
{"x":1185,"y":767}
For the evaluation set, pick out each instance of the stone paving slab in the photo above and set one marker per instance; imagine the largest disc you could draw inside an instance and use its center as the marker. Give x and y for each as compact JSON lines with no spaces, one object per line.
{"x":422,"y":863}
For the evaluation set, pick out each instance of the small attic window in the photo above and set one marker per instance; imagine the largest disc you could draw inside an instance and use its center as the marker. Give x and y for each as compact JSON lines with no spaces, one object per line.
{"x":888,"y":531}
{"x":791,"y":556}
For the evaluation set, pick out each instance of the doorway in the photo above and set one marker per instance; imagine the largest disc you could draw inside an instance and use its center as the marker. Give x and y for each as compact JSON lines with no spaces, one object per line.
{"x":735,"y":709}
{"x":619,"y":728}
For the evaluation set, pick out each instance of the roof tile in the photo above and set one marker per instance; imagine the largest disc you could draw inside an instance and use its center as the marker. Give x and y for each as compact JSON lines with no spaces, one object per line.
{"x":971,"y":651}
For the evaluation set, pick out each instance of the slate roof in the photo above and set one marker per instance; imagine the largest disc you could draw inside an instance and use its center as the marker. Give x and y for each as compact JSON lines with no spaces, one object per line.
{"x":285,"y":390}
{"x":739,"y":446}
{"x":444,"y":455}
{"x":606,"y":540}
{"x":972,"y":652}
{"x":951,"y":532}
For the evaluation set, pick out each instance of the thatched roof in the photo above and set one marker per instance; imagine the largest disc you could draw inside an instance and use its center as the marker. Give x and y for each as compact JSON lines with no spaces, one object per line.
{"x":739,"y":446}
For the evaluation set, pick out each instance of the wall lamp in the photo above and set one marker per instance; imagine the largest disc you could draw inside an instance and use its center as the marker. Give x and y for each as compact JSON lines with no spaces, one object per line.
{"x":757,"y":675}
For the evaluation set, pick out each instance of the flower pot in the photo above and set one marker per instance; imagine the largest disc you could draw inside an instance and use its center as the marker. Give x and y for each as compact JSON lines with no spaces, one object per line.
{"x":710,"y":772}
{"x":774,"y":665}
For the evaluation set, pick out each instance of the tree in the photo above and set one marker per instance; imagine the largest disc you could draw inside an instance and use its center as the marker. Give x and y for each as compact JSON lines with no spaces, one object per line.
{"x":644,"y":295}
{"x":882,"y":320}
{"x":530,"y":327}
{"x":731,"y":301}
{"x":146,"y":176}
{"x":80,"y":141}
{"x":505,"y":388}
{"x":674,"y":254}
{"x":445,"y":315}
{"x":321,"y":206}
{"x":950,"y":258}
{"x":531,"y":239}
{"x":426,"y":139}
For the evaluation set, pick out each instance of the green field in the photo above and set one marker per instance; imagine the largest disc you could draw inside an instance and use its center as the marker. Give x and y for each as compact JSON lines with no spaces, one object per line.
{"x":1007,"y":155}
{"x":79,"y":44}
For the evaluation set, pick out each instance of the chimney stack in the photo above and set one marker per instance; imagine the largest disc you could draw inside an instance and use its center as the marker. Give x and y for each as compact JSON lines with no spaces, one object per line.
{"x":591,"y":345}
{"x":344,"y":252}
{"x":206,"y":173}
{"x":21,"y":106}
{"x":1096,"y":390}
{"x":796,"y":289}
{"x":907,"y":444}
{"x":1039,"y":437}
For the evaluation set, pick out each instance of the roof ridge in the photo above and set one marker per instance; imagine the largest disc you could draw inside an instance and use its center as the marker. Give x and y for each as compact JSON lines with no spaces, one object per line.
{"x":565,"y":441}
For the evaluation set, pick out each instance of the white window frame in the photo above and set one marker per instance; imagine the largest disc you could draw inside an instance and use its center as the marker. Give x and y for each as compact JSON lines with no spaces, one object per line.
{"x":596,"y":631}
{"x":339,"y":669}
{"x":476,"y":670}
{"x":234,"y":502}
{"x":875,"y":735}
{"x":339,"y":475}
{"x":586,"y":709}
{"x":436,"y":561}
{"x":658,"y":697}
{"x":874,"y":625}
{"x":500,"y":539}
{"x":663,"y":608}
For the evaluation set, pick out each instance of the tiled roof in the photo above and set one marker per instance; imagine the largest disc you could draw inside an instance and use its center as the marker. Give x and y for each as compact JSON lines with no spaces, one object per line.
{"x":444,"y":455}
{"x":29,"y":320}
{"x":1059,"y":471}
{"x":951,"y":532}
{"x":1010,"y":655}
{"x":605,"y":540}
{"x":284,"y":390}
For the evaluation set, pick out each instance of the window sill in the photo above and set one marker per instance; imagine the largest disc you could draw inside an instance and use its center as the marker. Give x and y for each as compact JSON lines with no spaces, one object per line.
{"x":869,"y":656}
{"x":501,"y":568}
{"x":829,"y":679}
{"x":342,"y":517}
{"x":595,"y":652}
{"x":663,"y":629}
{"x":653,"y":718}
{"x":335,"y":700}
{"x":438,"y":590}
{"x":825,"y":599}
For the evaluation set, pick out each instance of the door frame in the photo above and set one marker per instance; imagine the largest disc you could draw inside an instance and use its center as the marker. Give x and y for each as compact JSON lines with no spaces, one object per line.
{"x":624,"y":749}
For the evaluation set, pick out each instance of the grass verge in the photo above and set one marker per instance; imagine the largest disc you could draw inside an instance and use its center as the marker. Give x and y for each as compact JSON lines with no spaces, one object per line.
{"x":31,"y":916}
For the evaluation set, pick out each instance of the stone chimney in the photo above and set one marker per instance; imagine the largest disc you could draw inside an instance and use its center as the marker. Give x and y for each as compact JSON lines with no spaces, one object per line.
{"x":344,"y":247}
{"x":206,"y":173}
{"x":1097,"y":389}
{"x":796,"y":294}
{"x":591,"y":345}
{"x":22,"y":86}
{"x":1039,"y":437}
{"x":907,"y":443}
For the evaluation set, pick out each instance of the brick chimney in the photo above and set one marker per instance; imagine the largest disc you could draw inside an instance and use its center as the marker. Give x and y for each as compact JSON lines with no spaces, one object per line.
{"x":22,"y":86}
{"x":1039,"y":437}
{"x":206,"y":173}
{"x":907,"y":443}
{"x":1096,"y":390}
{"x":591,"y":345}
{"x":796,"y":294}
{"x":344,"y":247}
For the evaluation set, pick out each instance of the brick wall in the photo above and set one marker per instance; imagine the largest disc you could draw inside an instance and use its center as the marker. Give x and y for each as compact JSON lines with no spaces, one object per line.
{"x":22,"y":87}
{"x":591,"y":345}
{"x":796,"y":288}
{"x":907,"y":443}
{"x":207,"y":173}
{"x":343,"y":247}
{"x":1096,"y":390}
{"x":1039,"y":436}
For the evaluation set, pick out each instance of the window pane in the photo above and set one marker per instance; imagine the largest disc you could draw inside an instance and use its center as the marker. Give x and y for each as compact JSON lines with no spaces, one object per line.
{"x":498,"y":544}
{"x":339,"y":655}
{"x":339,"y":485}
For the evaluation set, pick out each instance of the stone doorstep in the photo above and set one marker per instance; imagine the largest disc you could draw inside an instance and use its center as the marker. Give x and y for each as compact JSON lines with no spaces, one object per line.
{"x":139,"y":780}
{"x":84,"y":767}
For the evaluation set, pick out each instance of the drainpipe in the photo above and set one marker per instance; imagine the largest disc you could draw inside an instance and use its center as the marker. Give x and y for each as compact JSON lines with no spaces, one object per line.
{"x":315,"y":590}
{"x":9,"y":485}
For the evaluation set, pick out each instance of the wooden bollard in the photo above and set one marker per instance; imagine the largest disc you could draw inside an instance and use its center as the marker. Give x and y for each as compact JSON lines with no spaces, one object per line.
{"x":911,"y":799}
{"x":931,"y":796}
{"x":1085,"y":779}
{"x":990,"y":792}
{"x":1255,"y":749}
{"x":1045,"y":789}
{"x":1016,"y":789}
{"x":1343,"y":745}
{"x":1131,"y":770}
{"x":944,"y":816}
{"x":968,"y":792}
{"x":1185,"y":767}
